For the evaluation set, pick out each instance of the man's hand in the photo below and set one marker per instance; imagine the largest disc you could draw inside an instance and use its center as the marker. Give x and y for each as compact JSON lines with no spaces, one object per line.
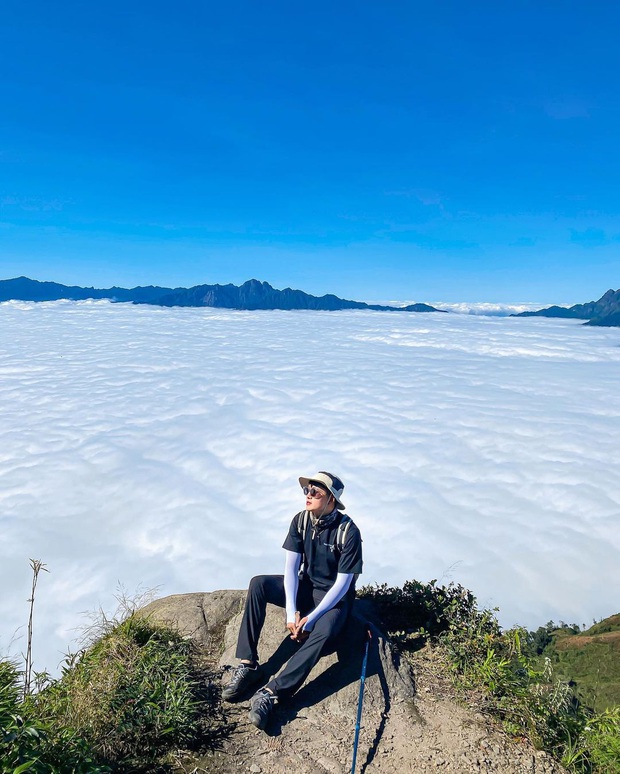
{"x":301,"y":635}
{"x":292,"y":626}
{"x":296,"y":628}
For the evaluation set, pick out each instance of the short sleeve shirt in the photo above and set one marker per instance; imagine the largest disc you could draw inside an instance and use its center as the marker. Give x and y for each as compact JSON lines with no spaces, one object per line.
{"x":322,"y":558}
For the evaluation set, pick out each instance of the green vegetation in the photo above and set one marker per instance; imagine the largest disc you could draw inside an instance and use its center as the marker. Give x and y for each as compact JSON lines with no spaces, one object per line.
{"x":419,"y":611}
{"x":139,"y":695}
{"x":128,"y":703}
{"x":27,"y":744}
{"x":508,"y":673}
{"x":591,"y":659}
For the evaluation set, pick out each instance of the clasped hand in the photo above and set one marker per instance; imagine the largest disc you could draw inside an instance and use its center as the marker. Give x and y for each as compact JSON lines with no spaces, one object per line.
{"x":296,"y":628}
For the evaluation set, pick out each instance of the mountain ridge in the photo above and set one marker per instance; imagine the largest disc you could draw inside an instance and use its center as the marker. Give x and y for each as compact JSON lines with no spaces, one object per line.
{"x":604,"y":312}
{"x":251,"y":295}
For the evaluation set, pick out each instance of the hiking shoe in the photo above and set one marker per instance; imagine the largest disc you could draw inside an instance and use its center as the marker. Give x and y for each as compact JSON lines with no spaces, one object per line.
{"x":243,"y":678}
{"x":261,"y":707}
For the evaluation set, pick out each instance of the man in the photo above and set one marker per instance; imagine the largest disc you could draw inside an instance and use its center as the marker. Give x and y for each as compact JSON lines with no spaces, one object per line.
{"x":317,"y":599}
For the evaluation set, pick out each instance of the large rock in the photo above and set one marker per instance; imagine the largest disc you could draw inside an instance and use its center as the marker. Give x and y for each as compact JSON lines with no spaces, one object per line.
{"x":202,"y":616}
{"x":326,"y":705}
{"x":333,"y":684}
{"x":408,"y":726}
{"x":212,"y":620}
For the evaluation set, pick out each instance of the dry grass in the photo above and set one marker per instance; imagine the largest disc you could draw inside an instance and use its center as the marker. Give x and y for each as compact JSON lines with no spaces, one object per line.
{"x":576,"y":641}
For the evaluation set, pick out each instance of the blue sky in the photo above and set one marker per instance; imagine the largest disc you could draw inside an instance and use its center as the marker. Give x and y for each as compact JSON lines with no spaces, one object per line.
{"x":397,"y":150}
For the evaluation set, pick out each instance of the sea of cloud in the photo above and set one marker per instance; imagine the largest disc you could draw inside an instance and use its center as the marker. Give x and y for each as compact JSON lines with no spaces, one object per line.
{"x":487,"y":308}
{"x":477,"y":307}
{"x":161,"y":447}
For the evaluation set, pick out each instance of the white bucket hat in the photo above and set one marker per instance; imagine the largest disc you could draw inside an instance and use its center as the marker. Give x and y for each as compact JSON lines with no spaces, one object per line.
{"x":330,"y":482}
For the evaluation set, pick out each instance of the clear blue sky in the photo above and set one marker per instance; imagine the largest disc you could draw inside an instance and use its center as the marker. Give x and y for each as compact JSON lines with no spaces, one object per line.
{"x":378,"y":150}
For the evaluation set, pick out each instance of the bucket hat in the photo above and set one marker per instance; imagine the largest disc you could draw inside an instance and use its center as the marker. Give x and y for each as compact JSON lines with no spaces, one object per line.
{"x":328,"y":481}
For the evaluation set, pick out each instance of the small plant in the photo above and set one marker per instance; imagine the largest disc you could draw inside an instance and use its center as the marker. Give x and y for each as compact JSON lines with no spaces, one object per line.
{"x":520,"y":691}
{"x":37,"y":566}
{"x":597,"y":748}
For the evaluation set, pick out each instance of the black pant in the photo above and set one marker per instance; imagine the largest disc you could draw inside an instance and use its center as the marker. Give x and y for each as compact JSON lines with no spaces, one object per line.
{"x":270,"y":589}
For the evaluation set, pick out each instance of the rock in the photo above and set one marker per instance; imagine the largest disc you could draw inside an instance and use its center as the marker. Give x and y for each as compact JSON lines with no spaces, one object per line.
{"x":199,"y":616}
{"x":330,"y":766}
{"x":405,"y":728}
{"x":333,"y":685}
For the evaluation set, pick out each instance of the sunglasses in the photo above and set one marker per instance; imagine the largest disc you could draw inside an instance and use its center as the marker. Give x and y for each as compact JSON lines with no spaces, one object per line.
{"x":314,"y":493}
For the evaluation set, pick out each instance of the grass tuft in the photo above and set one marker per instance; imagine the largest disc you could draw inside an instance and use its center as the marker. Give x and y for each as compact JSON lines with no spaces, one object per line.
{"x":133,"y":700}
{"x":135,"y":695}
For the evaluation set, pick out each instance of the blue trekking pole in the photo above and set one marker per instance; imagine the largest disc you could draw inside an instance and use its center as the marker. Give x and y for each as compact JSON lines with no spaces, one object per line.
{"x":360,"y":702}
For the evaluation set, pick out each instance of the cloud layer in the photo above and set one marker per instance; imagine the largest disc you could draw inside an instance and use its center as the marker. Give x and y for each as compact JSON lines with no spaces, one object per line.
{"x":161,"y":447}
{"x":476,"y":307}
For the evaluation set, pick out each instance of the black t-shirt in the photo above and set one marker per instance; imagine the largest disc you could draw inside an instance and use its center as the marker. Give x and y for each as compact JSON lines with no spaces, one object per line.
{"x":321,"y":556}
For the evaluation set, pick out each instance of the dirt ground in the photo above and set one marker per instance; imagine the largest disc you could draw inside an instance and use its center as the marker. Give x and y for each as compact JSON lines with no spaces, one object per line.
{"x":430,"y":734}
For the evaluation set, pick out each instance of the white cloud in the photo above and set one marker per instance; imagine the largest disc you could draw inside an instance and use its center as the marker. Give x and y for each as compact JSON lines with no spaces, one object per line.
{"x":489,"y":308}
{"x":154,"y":446}
{"x":486,"y":308}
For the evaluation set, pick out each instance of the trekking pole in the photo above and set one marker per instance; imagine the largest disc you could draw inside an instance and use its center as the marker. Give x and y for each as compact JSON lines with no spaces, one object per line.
{"x":360,"y":702}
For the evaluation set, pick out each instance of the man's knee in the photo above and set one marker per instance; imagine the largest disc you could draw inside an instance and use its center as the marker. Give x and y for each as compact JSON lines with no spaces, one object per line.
{"x":327,"y":626}
{"x":258,"y":581}
{"x":258,"y":585}
{"x":266,"y":587}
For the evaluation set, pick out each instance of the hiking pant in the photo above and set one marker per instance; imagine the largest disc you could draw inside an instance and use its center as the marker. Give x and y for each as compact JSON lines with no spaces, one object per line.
{"x":270,"y":589}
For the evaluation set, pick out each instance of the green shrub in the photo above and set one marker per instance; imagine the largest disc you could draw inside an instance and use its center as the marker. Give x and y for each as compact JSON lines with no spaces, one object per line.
{"x":602,"y":741}
{"x":419,"y":611}
{"x":134,"y":695}
{"x":522,"y":692}
{"x":19,"y":738}
{"x":27,"y":744}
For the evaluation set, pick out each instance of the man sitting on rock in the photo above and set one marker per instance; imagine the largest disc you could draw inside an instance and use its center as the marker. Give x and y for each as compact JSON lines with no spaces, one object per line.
{"x":317,"y":600}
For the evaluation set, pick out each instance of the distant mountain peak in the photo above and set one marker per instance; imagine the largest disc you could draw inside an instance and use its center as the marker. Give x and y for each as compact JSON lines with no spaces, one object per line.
{"x":251,"y":295}
{"x":605,"y":311}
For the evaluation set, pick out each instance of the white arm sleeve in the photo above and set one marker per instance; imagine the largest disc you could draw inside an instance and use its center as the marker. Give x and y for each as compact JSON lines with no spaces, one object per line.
{"x":291,"y":582}
{"x":331,"y":599}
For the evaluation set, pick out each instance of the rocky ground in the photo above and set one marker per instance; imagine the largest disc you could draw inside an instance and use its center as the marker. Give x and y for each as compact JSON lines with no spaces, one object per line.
{"x":411,"y":720}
